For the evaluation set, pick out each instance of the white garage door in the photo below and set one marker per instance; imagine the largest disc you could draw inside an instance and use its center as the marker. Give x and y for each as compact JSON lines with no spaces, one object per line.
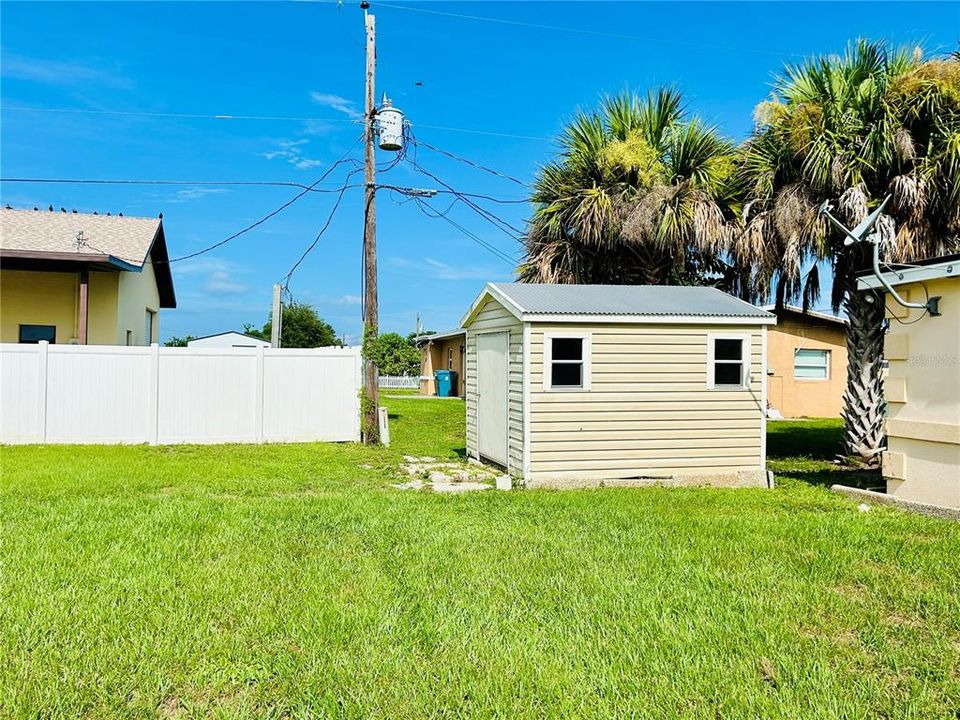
{"x":492,"y":351}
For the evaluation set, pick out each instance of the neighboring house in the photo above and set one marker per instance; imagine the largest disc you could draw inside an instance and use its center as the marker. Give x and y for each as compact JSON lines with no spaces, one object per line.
{"x":70,"y":277}
{"x":441,"y":351}
{"x":598,"y":384}
{"x":806,"y":363}
{"x":231,"y":338}
{"x":922,"y":388}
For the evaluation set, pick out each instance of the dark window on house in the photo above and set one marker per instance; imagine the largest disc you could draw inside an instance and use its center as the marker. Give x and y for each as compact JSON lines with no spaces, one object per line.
{"x":36,"y":333}
{"x":728,"y":363}
{"x":566,"y":362}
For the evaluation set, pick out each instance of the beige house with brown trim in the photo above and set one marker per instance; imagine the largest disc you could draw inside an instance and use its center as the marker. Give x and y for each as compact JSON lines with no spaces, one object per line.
{"x":922,"y":388}
{"x":441,"y":351}
{"x":806,"y":363}
{"x":572,"y":385}
{"x":87,"y":279}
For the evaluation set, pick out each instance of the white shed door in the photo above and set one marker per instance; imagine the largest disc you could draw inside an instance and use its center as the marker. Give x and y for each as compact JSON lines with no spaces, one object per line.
{"x":492,"y":351}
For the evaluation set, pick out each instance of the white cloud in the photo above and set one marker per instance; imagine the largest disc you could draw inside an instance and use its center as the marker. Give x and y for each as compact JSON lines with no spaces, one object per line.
{"x":58,"y":72}
{"x":291,"y":151}
{"x":338,"y":103}
{"x":222,"y":282}
{"x":219,"y":277}
{"x":196,"y":193}
{"x":350,"y":300}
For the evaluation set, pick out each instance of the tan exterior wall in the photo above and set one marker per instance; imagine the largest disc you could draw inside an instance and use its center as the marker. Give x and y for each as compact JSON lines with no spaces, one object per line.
{"x":805,"y":397}
{"x":923,"y":397}
{"x":137,"y":294}
{"x":648,"y":412}
{"x":445,"y":354}
{"x":493,"y":317}
{"x":52,"y":298}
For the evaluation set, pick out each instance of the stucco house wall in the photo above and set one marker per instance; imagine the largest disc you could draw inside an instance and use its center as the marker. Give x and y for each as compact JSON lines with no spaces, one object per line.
{"x":447,"y":353}
{"x":51,"y":298}
{"x":798,"y":396}
{"x":137,"y":293}
{"x":922,"y":389}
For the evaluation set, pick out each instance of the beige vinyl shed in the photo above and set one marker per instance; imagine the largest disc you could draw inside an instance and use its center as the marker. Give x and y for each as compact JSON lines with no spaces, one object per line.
{"x":578,"y":385}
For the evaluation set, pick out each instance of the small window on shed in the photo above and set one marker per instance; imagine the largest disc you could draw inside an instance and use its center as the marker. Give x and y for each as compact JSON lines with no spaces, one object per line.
{"x":567,"y":362}
{"x":727,"y":362}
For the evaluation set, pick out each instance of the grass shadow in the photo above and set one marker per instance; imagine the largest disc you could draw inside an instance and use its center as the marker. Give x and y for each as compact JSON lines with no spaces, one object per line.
{"x":811,"y":439}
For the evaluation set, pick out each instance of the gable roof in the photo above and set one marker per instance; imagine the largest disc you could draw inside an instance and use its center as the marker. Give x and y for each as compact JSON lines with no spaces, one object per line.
{"x":813,"y":314}
{"x":122,"y":242}
{"x":620,"y":303}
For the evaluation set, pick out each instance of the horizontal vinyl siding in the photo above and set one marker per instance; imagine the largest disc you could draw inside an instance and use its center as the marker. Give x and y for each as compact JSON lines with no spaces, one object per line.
{"x":648,"y":412}
{"x":493,"y":317}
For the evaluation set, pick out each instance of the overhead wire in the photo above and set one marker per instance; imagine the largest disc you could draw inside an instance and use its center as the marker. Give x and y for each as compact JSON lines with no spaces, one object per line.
{"x":430,"y":211}
{"x":270,"y":118}
{"x":333,"y":211}
{"x":588,"y":31}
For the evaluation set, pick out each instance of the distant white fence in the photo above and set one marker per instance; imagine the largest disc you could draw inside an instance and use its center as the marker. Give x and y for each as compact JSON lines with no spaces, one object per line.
{"x":160,"y":395}
{"x":397,"y":382}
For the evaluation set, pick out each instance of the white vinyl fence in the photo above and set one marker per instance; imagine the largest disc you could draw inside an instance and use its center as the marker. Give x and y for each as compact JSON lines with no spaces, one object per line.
{"x":396,"y":382}
{"x":160,"y":395}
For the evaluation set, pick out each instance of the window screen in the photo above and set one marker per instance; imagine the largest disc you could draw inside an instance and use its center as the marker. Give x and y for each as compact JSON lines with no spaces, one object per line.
{"x":811,"y":364}
{"x":566,"y":362}
{"x":36,"y":333}
{"x":728,"y":363}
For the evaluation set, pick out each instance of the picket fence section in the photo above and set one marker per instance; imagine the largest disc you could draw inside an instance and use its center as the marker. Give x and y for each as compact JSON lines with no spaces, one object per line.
{"x":398,"y":382}
{"x":160,"y":395}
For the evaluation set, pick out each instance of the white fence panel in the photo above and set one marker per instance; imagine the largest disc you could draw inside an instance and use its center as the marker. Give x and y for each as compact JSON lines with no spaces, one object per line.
{"x":323,"y":385}
{"x":207,"y":395}
{"x":114,"y":394}
{"x":397,"y":382}
{"x":21,"y":397}
{"x":97,"y":397}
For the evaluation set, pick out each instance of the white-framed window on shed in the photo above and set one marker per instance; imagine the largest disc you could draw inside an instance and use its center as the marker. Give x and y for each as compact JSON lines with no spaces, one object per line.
{"x":566,"y":362}
{"x":811,"y":364}
{"x":728,"y":362}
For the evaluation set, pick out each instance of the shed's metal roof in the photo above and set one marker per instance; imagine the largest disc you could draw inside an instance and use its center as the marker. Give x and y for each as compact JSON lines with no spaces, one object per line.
{"x":645,"y":300}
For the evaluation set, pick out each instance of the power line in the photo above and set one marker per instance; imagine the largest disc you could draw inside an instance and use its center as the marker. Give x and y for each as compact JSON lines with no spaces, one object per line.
{"x":474,"y":164}
{"x":242,"y":183}
{"x":271,"y":214}
{"x":343,"y":189}
{"x":110,"y":181}
{"x":430,"y":211}
{"x":272,"y":118}
{"x":586,"y":31}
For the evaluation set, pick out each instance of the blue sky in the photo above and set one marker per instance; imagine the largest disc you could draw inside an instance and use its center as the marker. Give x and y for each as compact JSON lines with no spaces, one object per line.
{"x":305,"y":60}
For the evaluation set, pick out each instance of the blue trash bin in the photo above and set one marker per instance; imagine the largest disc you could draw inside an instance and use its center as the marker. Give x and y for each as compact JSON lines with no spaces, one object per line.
{"x":446,"y":383}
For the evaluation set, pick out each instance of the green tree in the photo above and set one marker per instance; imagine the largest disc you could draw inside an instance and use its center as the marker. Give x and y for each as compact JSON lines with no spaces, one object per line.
{"x":395,"y":355}
{"x":852,"y":129}
{"x":302,"y":328}
{"x":640,"y":193}
{"x":177,"y":341}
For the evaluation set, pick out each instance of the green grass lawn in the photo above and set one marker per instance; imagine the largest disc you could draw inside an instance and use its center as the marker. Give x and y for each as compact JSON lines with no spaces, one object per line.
{"x":293,"y":582}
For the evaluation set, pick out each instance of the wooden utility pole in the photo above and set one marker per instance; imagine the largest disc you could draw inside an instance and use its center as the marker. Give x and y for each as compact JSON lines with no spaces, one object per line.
{"x":370,"y":420}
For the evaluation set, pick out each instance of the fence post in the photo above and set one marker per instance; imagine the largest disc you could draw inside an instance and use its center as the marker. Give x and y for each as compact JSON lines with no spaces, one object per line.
{"x":42,"y":386}
{"x":258,"y":401}
{"x":153,"y":395}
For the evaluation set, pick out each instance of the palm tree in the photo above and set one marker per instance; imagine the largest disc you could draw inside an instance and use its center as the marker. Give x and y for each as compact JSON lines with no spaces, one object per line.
{"x":851,"y":130}
{"x":640,"y":193}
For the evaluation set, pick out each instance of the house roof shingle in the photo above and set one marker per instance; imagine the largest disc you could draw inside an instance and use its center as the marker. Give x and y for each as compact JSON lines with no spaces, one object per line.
{"x":126,"y":238}
{"x":120,"y":241}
